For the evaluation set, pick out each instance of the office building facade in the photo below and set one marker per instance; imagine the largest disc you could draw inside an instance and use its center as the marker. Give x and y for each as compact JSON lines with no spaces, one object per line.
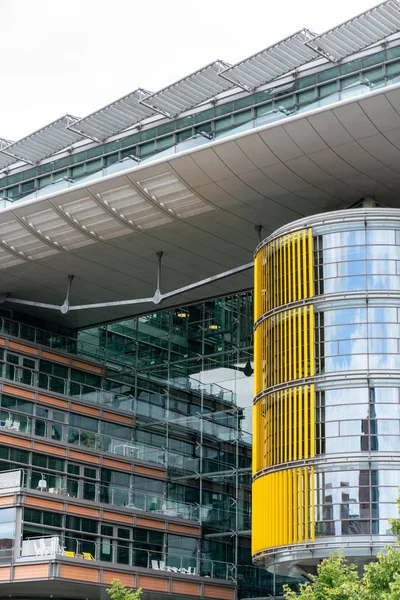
{"x":326,"y":356}
{"x":127,"y":313}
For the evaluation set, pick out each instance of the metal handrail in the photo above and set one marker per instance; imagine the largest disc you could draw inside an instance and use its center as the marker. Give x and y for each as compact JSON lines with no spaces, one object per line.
{"x":155,"y":560}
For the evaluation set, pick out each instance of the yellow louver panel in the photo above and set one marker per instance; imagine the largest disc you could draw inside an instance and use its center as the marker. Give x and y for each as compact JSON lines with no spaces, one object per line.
{"x":283,"y":272}
{"x":283,"y":427}
{"x":284,"y":348}
{"x":282,"y":508}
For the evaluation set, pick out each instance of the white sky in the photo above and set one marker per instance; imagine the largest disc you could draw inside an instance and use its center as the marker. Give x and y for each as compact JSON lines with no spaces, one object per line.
{"x":74,"y":56}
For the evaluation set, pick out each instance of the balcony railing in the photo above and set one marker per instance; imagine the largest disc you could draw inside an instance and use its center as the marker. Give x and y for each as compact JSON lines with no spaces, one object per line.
{"x":52,"y":340}
{"x":220,"y":516}
{"x":126,"y":555}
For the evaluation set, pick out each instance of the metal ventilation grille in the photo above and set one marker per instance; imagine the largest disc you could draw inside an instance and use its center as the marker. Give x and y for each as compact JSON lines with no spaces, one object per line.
{"x":190,"y":91}
{"x":273,"y":62}
{"x":115,"y":117}
{"x":359,"y":32}
{"x":45,"y":142}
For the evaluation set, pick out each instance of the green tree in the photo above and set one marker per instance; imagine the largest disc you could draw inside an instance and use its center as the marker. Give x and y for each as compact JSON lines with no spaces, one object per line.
{"x":118,"y":591}
{"x":337,"y":579}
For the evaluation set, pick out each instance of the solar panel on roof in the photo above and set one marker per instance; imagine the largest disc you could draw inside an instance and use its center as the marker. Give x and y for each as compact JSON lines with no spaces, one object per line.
{"x":5,"y":160}
{"x":190,"y":91}
{"x":358,"y":33}
{"x":273,"y":62}
{"x":45,"y":142}
{"x":115,"y":117}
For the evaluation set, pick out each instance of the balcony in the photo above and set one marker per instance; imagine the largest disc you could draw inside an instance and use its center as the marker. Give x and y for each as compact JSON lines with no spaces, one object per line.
{"x":67,"y":547}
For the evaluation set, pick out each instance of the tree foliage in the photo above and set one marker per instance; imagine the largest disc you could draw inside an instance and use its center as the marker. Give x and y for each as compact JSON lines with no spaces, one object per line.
{"x":118,"y":591}
{"x":337,"y":579}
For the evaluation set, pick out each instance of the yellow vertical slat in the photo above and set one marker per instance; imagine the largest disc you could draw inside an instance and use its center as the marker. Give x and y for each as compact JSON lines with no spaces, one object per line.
{"x":295,"y":348}
{"x":312,"y":505}
{"x":285,"y":426}
{"x":289,"y":268}
{"x":286,"y":511}
{"x":282,"y":345}
{"x":285,"y":346}
{"x":307,"y":504}
{"x":299,"y":282}
{"x":283,"y":417}
{"x":279,"y":507}
{"x":255,"y":440}
{"x":312,"y":421}
{"x":304,"y":265}
{"x":294,"y":281}
{"x":310,"y":264}
{"x":311,"y":338}
{"x":306,"y":423}
{"x":290,"y":424}
{"x":289,"y":350}
{"x":257,"y":287}
{"x":295,"y":423}
{"x":306,"y":336}
{"x":290,"y":505}
{"x":295,"y":499}
{"x":284,"y":259}
{"x":300,"y":502}
{"x":300,"y":344}
{"x":300,"y":454}
{"x":280,"y":263}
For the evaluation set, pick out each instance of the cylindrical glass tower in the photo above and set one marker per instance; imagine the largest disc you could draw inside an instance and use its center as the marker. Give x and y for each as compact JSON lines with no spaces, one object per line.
{"x":326,"y":424}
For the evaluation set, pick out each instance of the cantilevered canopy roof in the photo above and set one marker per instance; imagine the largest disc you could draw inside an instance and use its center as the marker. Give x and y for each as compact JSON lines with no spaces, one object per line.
{"x":115,"y":117}
{"x":45,"y":142}
{"x":273,"y":62}
{"x":359,"y":32}
{"x":200,"y":208}
{"x":190,"y":91}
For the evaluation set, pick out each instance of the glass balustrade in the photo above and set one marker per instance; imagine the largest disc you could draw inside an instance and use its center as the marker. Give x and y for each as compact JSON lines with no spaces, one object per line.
{"x":108,"y":550}
{"x":54,"y":341}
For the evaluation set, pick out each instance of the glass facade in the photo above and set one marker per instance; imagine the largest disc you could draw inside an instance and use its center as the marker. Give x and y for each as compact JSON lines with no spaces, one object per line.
{"x":327,"y":382}
{"x":182,"y":381}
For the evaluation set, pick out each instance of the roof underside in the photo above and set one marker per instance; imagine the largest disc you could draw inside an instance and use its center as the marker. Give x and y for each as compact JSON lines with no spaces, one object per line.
{"x":200,"y":208}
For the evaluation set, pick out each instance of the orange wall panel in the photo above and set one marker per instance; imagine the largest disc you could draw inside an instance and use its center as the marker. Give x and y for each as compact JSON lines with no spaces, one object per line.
{"x":125,"y":578}
{"x":83,"y":574}
{"x":149,"y":471}
{"x":183,"y":529}
{"x":53,"y":401}
{"x":4,"y":573}
{"x":153,"y":583}
{"x":109,"y":516}
{"x":41,"y":503}
{"x":85,"y":457}
{"x":6,"y":500}
{"x":116,"y":464}
{"x":55,"y":357}
{"x":186,"y":587}
{"x":10,"y":389}
{"x":31,"y":571}
{"x":149,"y":523}
{"x":215,"y":591}
{"x":82,"y":510}
{"x":118,"y":418}
{"x":85,"y":409}
{"x":49,"y":449}
{"x":23,"y":348}
{"x":14,"y":441}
